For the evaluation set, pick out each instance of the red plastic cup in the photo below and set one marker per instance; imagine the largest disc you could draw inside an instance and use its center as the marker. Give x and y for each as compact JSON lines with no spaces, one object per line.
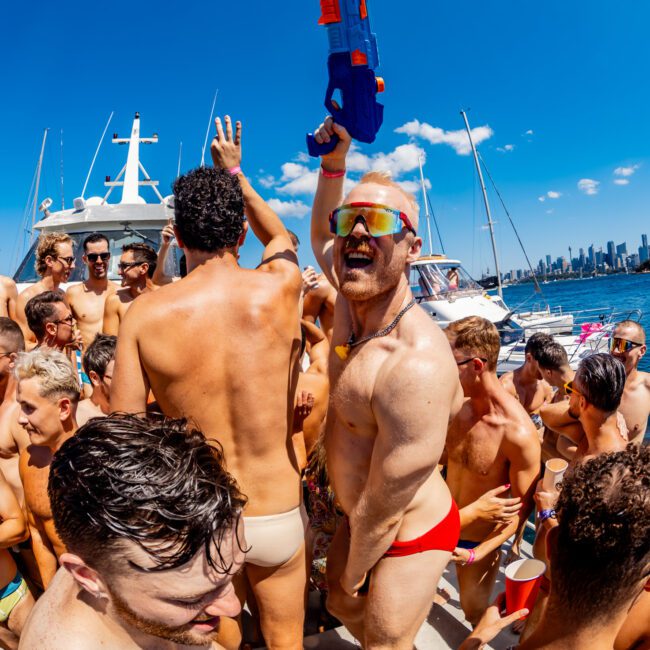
{"x":523,"y":580}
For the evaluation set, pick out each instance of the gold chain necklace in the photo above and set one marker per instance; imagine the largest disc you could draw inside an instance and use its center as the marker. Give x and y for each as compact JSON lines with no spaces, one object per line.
{"x":343,"y":351}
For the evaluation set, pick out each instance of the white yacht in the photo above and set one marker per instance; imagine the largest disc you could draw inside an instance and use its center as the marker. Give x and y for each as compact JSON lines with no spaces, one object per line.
{"x":131,"y":219}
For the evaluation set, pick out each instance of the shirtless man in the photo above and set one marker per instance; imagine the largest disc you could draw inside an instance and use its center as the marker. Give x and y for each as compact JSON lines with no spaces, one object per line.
{"x":13,"y":438}
{"x":628,"y":345}
{"x":98,"y":366}
{"x":527,"y":384}
{"x":554,"y":366}
{"x":318,"y":305}
{"x":51,"y":321}
{"x":48,"y":392}
{"x":136,"y":268}
{"x":150,"y":561}
{"x":491,"y":442}
{"x":8,"y":296}
{"x":393,"y":391}
{"x":87,"y":299}
{"x":235,"y":332}
{"x":54,"y":263}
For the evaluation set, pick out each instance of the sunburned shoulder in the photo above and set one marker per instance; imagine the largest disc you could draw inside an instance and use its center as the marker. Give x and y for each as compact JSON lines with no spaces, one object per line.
{"x":7,"y":283}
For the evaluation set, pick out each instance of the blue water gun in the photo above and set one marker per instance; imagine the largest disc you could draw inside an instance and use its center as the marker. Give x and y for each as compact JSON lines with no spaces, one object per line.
{"x":352,"y":62}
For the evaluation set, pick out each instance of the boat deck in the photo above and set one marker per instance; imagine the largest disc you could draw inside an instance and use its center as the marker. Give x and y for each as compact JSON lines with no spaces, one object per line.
{"x":445,"y":626}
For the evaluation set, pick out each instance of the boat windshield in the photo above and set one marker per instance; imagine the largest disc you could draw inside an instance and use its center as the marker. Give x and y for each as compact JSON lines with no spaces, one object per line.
{"x":117,"y":238}
{"x":441,"y":280}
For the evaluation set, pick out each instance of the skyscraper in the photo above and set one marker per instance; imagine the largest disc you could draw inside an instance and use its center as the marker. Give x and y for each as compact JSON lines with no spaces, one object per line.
{"x":611,"y":253}
{"x":644,"y":241}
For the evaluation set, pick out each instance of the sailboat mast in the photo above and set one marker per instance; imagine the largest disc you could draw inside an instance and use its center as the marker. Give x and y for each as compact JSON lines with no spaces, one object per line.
{"x":38,"y":182}
{"x":426,"y":206}
{"x":487,"y":205}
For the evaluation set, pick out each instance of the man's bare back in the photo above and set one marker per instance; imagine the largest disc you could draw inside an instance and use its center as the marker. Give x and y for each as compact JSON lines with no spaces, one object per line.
{"x":532,"y":394}
{"x":8,"y":296}
{"x":87,"y":307}
{"x":236,"y":344}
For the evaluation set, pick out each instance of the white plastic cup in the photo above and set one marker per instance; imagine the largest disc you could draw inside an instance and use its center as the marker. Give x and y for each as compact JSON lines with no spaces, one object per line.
{"x":554,"y":473}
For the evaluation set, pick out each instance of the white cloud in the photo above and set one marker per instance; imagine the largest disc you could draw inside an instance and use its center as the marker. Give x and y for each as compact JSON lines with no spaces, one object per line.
{"x":551,"y":211}
{"x":551,"y":194}
{"x":267,"y":181}
{"x":506,"y":148}
{"x":529,"y":132}
{"x":295,"y":209}
{"x":625,"y":171}
{"x":588,"y":186}
{"x":303,"y":157}
{"x":404,"y":158}
{"x":414,"y":186}
{"x":621,"y":181}
{"x":458,"y":140}
{"x":291,"y":171}
{"x":301,"y":180}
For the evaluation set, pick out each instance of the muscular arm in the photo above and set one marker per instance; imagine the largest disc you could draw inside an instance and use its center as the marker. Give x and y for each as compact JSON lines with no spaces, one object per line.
{"x":12,"y":295}
{"x":411,"y":404}
{"x":523,"y":451}
{"x":43,"y":552}
{"x":111,"y":316}
{"x":13,"y":528}
{"x":556,"y":417}
{"x":21,"y":319}
{"x":130,"y":385}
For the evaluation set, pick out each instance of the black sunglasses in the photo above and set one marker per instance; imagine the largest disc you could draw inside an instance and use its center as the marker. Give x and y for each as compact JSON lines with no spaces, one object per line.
{"x":68,"y":321}
{"x":93,"y":257}
{"x":127,"y":265}
{"x":68,"y":260}
{"x":462,"y":363}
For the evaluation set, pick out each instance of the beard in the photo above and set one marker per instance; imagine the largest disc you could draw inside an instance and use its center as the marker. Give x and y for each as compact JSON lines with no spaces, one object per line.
{"x":181,"y":635}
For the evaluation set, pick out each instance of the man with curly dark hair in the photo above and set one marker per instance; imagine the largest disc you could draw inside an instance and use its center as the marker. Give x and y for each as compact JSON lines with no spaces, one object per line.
{"x":221,"y":346}
{"x":151,"y":522}
{"x":598,"y":545}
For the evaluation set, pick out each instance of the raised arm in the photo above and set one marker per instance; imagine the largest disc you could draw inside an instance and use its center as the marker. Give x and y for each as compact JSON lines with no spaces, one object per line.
{"x":411,"y":405}
{"x":160,"y":278}
{"x":266,"y":225}
{"x":130,"y":385}
{"x":558,"y":418}
{"x":329,"y":195}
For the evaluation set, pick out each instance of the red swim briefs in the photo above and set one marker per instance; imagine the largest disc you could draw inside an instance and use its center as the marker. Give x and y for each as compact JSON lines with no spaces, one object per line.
{"x":442,"y":537}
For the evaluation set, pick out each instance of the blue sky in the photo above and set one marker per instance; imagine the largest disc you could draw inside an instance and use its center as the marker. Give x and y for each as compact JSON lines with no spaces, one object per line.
{"x":558,"y":91}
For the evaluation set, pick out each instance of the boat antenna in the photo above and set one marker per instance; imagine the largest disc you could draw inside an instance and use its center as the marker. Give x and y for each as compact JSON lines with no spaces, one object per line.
{"x":62,"y":194}
{"x":426,"y":204}
{"x":38,"y":181}
{"x":180,"y":155}
{"x":92,"y":164}
{"x":538,"y":289}
{"x":487,"y":206}
{"x":207,"y":131}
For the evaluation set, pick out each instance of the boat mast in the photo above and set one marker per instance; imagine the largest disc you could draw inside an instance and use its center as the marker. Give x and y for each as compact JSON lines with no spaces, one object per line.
{"x":487,"y":205}
{"x":38,"y":181}
{"x":426,"y":206}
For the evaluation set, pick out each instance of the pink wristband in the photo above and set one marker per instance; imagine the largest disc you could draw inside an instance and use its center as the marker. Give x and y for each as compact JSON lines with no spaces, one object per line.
{"x":472,"y":556}
{"x":233,"y":171}
{"x":327,"y":174}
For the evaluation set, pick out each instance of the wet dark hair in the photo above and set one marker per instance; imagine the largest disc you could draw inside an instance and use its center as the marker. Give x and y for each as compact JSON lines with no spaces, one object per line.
{"x":143,"y":253}
{"x":154,"y":481}
{"x":99,"y":354}
{"x":209,"y":209}
{"x":41,"y":309}
{"x":293,"y":237}
{"x":536,"y":344}
{"x":602,"y":550}
{"x":552,"y":356}
{"x":93,"y":238}
{"x":12,"y":335}
{"x":602,"y":381}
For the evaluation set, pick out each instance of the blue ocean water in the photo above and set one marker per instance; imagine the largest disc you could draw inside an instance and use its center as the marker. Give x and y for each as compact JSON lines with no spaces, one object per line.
{"x":620,"y":292}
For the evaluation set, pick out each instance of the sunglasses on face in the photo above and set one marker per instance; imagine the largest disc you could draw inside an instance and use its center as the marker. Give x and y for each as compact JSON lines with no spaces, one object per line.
{"x":93,"y":257}
{"x":124,"y":266}
{"x":380,"y":220}
{"x":68,"y":320}
{"x":622,"y":345}
{"x":570,"y":390}
{"x":466,"y":361}
{"x":68,"y":260}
